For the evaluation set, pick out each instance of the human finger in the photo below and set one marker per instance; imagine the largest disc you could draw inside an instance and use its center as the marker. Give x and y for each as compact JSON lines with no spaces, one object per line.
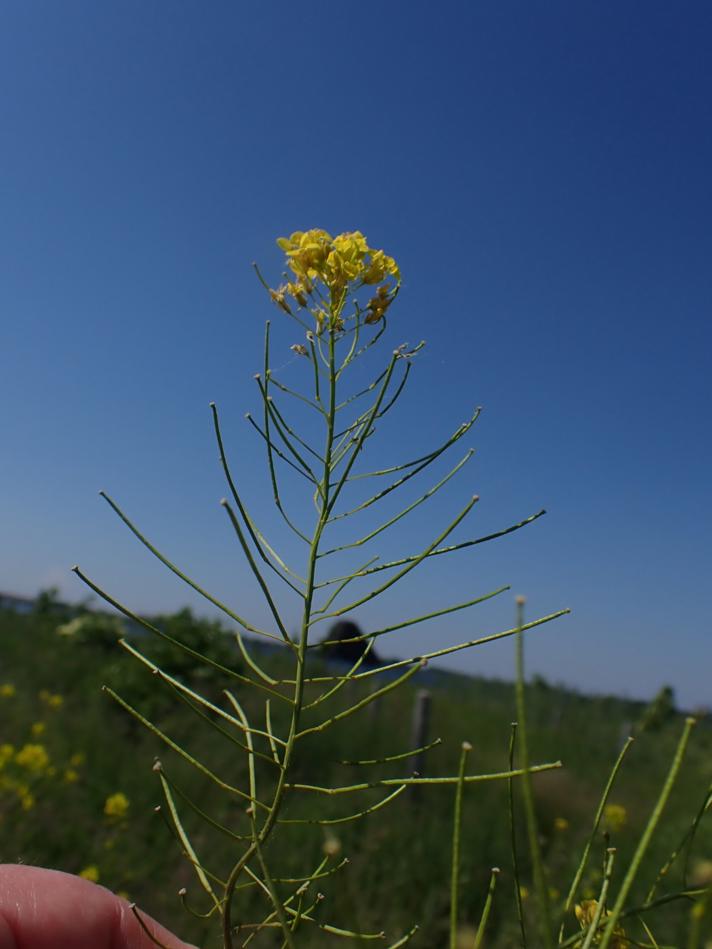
{"x":46,"y":909}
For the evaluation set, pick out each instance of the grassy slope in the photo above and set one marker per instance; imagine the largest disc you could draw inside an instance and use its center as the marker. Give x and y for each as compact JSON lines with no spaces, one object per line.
{"x":399,"y":859}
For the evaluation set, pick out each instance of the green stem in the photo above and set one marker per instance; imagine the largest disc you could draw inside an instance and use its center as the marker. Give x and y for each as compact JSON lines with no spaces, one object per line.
{"x":456,"y":837}
{"x":647,"y":834}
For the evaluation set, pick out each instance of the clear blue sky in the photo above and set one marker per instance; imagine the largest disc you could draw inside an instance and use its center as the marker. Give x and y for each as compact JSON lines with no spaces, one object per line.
{"x":541,"y":172}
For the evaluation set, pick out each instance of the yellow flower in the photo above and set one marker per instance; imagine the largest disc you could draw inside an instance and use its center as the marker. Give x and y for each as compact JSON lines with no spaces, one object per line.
{"x":7,"y":690}
{"x":90,"y":873}
{"x":345,"y":261}
{"x":307,"y":251}
{"x":338,"y":262}
{"x":523,"y":893}
{"x":32,"y":757}
{"x":585,"y":914}
{"x":701,"y":873}
{"x":299,"y":291}
{"x":27,"y":801}
{"x":615,"y":817}
{"x":51,"y":699}
{"x":561,"y":824}
{"x":7,"y":753}
{"x":38,"y":729}
{"x":77,"y":759}
{"x":378,"y":305}
{"x":71,"y":776}
{"x":116,"y":805}
{"x":380,"y":267}
{"x":278,"y":297}
{"x":331,"y":846}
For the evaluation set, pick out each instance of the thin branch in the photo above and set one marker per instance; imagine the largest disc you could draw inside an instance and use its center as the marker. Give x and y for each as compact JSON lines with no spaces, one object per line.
{"x":414,"y":562}
{"x":179,"y":573}
{"x":257,"y":538}
{"x":258,"y":576}
{"x":396,"y":517}
{"x":441,"y":550}
{"x":413,"y":622}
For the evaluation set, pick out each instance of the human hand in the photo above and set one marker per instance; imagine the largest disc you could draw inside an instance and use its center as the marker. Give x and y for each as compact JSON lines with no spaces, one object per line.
{"x":46,"y":909}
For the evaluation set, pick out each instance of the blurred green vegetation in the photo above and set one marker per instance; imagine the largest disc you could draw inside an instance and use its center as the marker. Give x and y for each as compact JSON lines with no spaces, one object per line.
{"x":53,"y":802}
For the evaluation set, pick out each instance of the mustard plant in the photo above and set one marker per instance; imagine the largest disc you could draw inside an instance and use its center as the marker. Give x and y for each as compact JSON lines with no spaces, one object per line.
{"x":340,"y":293}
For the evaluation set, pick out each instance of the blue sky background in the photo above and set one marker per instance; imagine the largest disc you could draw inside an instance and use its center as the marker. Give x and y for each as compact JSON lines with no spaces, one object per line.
{"x":542,"y":174}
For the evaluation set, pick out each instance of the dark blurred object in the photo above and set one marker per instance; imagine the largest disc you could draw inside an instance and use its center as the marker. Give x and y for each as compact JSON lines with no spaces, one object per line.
{"x":659,"y":712}
{"x":346,"y":642}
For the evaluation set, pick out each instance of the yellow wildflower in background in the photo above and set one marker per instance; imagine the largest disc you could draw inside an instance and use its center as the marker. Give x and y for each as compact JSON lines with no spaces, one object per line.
{"x":585,"y":914}
{"x":70,"y":776}
{"x":51,"y":699}
{"x":32,"y":757}
{"x":561,"y":824}
{"x":116,"y":805}
{"x":7,"y":690}
{"x":27,"y":800}
{"x":7,"y":753}
{"x":615,"y":817}
{"x":331,"y":846}
{"x":77,"y":759}
{"x":90,"y":873}
{"x":38,"y":729}
{"x":701,"y":873}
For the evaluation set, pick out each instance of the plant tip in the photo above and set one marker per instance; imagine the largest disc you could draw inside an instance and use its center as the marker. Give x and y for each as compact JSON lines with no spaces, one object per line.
{"x":211,"y":405}
{"x":257,"y":375}
{"x":223,"y":502}
{"x":520,"y":600}
{"x":466,"y":746}
{"x":496,"y":870}
{"x":182,"y":891}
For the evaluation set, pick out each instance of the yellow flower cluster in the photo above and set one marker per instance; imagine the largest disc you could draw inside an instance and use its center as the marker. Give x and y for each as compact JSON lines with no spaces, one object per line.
{"x":33,"y":758}
{"x":7,"y":753}
{"x":585,"y":914}
{"x":51,"y":699}
{"x":116,"y":805}
{"x":7,"y":690}
{"x":339,"y":263}
{"x":90,"y":873}
{"x":8,"y":783}
{"x":615,"y":817}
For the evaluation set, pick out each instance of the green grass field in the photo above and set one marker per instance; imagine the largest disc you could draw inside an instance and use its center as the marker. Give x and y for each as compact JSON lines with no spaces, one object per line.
{"x":53,"y":800}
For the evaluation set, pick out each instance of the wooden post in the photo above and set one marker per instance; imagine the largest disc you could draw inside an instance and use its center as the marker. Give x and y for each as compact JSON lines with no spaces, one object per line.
{"x":420,"y":729}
